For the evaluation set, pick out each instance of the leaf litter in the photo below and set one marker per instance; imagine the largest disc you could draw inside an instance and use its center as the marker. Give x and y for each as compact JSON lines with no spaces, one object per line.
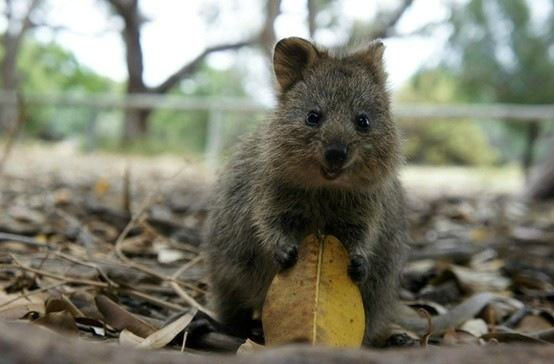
{"x":117,"y":259}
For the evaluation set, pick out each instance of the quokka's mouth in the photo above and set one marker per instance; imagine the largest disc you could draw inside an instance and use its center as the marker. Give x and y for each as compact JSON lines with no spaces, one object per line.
{"x":331,"y":173}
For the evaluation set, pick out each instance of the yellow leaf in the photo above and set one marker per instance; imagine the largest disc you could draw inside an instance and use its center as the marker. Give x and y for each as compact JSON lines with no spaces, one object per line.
{"x":315,"y":301}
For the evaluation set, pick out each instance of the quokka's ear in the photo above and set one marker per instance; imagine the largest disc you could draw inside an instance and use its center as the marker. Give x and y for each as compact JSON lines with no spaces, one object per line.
{"x":373,"y":56}
{"x":291,"y":57}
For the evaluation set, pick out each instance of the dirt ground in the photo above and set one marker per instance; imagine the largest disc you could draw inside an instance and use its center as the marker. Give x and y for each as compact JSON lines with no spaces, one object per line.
{"x":65,"y":161}
{"x":106,"y":247}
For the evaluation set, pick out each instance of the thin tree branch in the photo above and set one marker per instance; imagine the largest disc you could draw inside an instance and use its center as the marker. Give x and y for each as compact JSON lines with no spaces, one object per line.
{"x":385,"y":28}
{"x":425,"y":29}
{"x":192,"y":66}
{"x":58,"y":277}
{"x":26,"y":24}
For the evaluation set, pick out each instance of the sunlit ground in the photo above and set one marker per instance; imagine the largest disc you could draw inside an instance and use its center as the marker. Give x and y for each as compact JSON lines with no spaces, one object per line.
{"x":446,"y":180}
{"x":67,"y":161}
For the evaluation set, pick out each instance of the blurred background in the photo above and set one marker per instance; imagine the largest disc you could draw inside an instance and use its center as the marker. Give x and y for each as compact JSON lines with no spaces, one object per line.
{"x":472,"y":80}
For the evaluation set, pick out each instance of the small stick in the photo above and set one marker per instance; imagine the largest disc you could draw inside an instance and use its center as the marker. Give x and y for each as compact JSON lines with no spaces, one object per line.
{"x":7,"y":237}
{"x":58,"y":277}
{"x":86,"y":264}
{"x":119,"y":250}
{"x":425,"y":338}
{"x":154,"y":300}
{"x":127,"y":189}
{"x":150,"y":272}
{"x":145,"y":205}
{"x":188,"y":299}
{"x":31,"y":293}
{"x":186,"y":266}
{"x":491,"y":318}
{"x":184,"y":341}
{"x":181,"y":292}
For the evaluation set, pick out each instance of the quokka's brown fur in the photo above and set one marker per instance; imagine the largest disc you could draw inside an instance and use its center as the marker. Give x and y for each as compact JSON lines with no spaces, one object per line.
{"x":283,"y":183}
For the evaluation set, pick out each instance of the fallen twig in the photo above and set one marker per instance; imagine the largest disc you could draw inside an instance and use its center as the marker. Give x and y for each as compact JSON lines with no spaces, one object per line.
{"x":58,"y":277}
{"x":90,"y":265}
{"x":7,"y":237}
{"x":152,"y":299}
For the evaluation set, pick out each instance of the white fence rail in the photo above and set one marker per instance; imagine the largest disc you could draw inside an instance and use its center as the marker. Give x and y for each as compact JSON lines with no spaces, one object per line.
{"x":217,"y":107}
{"x":512,"y":112}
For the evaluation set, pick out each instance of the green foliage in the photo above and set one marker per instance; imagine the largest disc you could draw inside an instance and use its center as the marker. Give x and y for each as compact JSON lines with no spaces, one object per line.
{"x":500,"y":53}
{"x":48,"y":68}
{"x":497,"y":53}
{"x":437,"y":142}
{"x":447,"y":142}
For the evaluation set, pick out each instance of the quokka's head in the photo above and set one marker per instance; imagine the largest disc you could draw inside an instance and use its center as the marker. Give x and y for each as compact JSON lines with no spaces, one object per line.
{"x":332,"y":127}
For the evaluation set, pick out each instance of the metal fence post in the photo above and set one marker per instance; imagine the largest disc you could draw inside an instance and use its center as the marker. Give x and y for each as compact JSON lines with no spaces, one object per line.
{"x":214,"y":138}
{"x":91,"y":139}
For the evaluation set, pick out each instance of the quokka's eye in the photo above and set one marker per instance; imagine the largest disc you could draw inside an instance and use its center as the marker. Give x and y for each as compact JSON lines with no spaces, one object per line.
{"x":313,"y":118}
{"x":362,"y":123}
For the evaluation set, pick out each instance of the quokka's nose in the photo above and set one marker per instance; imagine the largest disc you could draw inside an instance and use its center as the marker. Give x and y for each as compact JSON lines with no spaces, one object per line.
{"x":336,"y":155}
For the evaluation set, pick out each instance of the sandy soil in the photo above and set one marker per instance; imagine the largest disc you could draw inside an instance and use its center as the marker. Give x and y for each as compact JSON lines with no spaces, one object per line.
{"x":66,"y":161}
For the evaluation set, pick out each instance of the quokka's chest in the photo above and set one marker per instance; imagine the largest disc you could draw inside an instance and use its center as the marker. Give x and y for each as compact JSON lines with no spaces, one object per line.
{"x":324,"y":213}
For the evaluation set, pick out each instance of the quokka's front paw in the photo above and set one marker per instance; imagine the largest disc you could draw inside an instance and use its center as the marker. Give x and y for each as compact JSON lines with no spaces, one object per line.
{"x":286,"y":256}
{"x":358,"y":269}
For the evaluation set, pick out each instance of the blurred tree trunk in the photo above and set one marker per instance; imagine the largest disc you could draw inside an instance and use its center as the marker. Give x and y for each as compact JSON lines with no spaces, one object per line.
{"x":312,"y":14}
{"x":267,"y":34}
{"x":136,"y":120}
{"x":540,"y":185}
{"x":11,"y":42}
{"x":134,"y":123}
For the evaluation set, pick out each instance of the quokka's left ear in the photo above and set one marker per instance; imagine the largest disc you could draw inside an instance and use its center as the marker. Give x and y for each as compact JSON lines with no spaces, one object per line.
{"x":291,"y":58}
{"x":372,"y":55}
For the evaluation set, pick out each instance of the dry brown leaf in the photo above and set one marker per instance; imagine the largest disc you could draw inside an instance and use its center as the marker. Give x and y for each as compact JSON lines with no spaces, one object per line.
{"x":512,"y":337}
{"x":62,"y":196}
{"x":315,"y":301}
{"x":249,"y":346}
{"x":533,"y":323}
{"x":480,"y":281}
{"x":61,"y":322}
{"x":62,"y":304}
{"x":120,"y":319}
{"x":476,"y":327}
{"x":127,"y":338}
{"x":163,"y":336}
{"x":459,"y":337}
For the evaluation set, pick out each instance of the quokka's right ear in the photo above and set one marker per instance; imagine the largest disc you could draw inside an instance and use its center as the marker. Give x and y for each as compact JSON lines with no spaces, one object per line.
{"x":291,"y":57}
